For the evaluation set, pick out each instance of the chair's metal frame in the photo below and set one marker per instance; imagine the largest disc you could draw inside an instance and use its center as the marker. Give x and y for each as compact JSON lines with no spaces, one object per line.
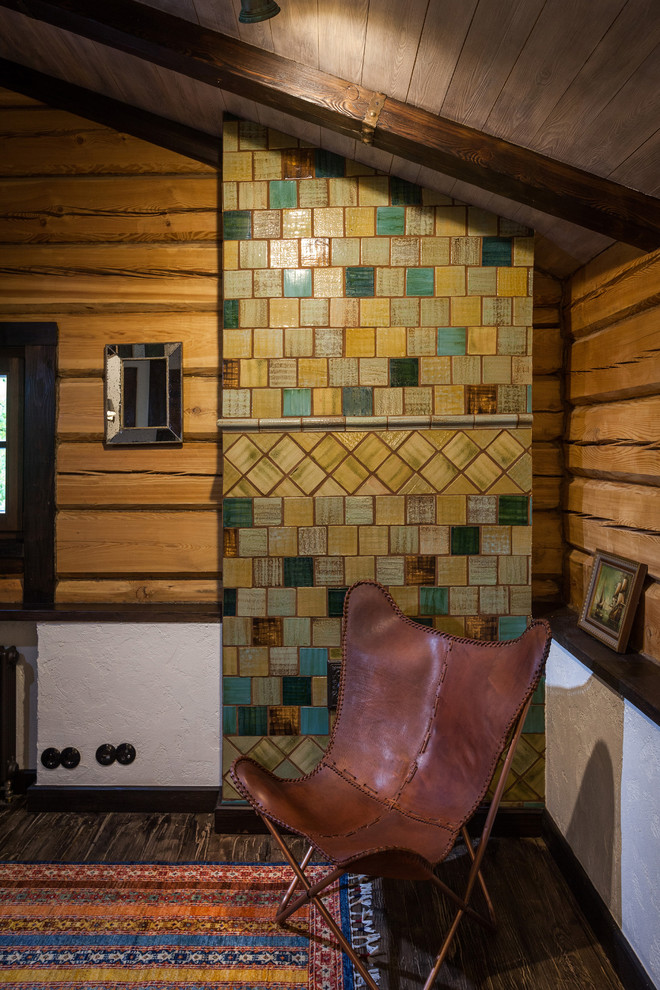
{"x":313,"y":892}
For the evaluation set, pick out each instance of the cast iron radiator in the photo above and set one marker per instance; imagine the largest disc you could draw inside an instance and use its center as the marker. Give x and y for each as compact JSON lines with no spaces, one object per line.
{"x":8,"y":661}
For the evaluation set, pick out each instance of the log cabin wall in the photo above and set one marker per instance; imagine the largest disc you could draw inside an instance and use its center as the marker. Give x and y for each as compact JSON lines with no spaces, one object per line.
{"x":116,"y":240}
{"x":612,"y":499}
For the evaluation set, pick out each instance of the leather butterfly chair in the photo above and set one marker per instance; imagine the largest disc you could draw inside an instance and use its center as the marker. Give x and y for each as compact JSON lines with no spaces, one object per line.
{"x":422,"y":720}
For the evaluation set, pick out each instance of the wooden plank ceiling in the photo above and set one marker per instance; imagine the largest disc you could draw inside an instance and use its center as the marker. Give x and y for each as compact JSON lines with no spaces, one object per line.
{"x":569,"y":79}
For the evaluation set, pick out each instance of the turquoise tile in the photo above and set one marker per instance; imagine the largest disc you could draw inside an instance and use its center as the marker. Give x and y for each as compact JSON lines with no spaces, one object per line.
{"x":359,"y":281}
{"x":357,"y":400}
{"x":236,"y":512}
{"x":229,"y":601}
{"x":229,"y":721}
{"x":464,"y":540}
{"x":336,"y":598}
{"x":253,"y":721}
{"x":314,"y":721}
{"x":236,"y":690}
{"x":390,"y":220}
{"x":538,"y":697}
{"x":328,"y":165}
{"x":404,"y":371}
{"x":404,"y":193}
{"x":297,"y":282}
{"x":298,"y":572}
{"x":513,"y":510}
{"x":535,"y":721}
{"x":424,"y":620}
{"x":496,"y":251}
{"x":283,"y":194}
{"x":297,"y":401}
{"x":452,"y":340}
{"x":433,"y":601}
{"x":512,"y":626}
{"x":419,"y":281}
{"x":237,"y":225}
{"x":296,"y":690}
{"x":529,"y":398}
{"x":230,"y":314}
{"x":313,"y":660}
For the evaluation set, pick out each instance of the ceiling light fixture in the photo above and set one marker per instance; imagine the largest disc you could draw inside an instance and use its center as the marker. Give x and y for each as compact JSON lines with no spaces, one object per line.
{"x":257,"y":10}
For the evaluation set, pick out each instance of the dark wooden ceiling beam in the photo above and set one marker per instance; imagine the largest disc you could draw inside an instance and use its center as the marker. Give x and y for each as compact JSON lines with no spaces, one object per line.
{"x":517,"y":173}
{"x":113,"y":113}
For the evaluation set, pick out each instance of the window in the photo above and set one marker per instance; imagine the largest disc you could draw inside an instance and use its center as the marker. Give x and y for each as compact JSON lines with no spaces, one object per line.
{"x":11,"y":441}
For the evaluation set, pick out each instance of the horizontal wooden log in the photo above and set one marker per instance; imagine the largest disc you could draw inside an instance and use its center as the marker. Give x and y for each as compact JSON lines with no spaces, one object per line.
{"x":614,"y":460}
{"x":547,"y":460}
{"x":191,"y":589}
{"x":620,"y":361}
{"x":100,"y":210}
{"x":609,"y":264}
{"x":547,"y":426}
{"x":547,"y":589}
{"x":198,"y":459}
{"x":401,"y":129}
{"x":11,"y":590}
{"x":81,"y":412}
{"x":578,"y":571}
{"x":547,"y":561}
{"x":546,"y":493}
{"x":547,"y":290}
{"x":546,"y":394}
{"x":546,"y":316}
{"x":138,"y":489}
{"x":149,"y":543}
{"x":627,"y":506}
{"x":548,"y":351}
{"x":625,"y":293}
{"x":634,"y":421}
{"x":547,"y":528}
{"x":590,"y":534}
{"x":83,"y":337}
{"x":10,"y":98}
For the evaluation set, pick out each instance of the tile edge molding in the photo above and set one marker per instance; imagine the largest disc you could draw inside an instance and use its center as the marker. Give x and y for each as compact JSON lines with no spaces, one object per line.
{"x":289,"y":424}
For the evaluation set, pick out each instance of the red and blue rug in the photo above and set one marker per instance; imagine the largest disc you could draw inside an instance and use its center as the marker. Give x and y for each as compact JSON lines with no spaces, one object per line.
{"x":161,"y":926}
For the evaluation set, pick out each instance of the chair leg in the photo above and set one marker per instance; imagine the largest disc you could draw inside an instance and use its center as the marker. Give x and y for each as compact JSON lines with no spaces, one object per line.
{"x":294,"y":883}
{"x":312,"y":894}
{"x":480,"y":877}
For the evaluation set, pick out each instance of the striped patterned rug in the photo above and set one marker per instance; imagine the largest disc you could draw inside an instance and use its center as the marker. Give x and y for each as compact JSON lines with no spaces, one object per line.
{"x":161,"y":926}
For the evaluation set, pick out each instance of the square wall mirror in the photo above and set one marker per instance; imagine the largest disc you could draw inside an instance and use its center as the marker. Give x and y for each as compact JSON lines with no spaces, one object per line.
{"x":143,"y":393}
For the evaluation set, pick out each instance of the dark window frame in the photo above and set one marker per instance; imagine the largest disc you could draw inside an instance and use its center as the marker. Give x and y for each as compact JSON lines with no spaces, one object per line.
{"x":11,"y":365}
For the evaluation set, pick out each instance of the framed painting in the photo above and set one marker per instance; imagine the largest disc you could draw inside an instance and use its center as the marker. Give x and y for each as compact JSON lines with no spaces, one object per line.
{"x":612,"y":596}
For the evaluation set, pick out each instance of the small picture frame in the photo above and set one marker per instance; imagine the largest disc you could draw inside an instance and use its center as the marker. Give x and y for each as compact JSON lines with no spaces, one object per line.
{"x":609,"y":608}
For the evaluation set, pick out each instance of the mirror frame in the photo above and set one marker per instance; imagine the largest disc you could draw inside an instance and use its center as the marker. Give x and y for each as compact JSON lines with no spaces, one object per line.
{"x":116,"y":432}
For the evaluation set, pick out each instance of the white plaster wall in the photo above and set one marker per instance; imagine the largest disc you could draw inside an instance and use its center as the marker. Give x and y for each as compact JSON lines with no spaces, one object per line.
{"x":156,"y":686}
{"x":640,"y":826}
{"x":23,"y":635}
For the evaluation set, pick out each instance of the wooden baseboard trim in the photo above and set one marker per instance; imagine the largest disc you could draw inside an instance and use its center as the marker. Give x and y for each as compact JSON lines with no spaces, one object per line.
{"x":192,"y":800}
{"x":234,"y":817}
{"x":618,"y":949}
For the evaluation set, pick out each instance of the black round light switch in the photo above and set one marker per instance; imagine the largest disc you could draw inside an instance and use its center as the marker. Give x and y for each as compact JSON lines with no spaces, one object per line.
{"x":70,"y":757}
{"x":125,"y":753}
{"x":106,"y":754}
{"x":51,"y":758}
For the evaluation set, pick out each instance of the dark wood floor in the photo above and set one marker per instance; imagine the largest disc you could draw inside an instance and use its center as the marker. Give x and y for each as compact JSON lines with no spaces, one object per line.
{"x":543,"y":941}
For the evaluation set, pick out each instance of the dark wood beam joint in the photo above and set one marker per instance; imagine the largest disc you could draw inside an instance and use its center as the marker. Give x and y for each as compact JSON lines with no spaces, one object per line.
{"x":370,"y":122}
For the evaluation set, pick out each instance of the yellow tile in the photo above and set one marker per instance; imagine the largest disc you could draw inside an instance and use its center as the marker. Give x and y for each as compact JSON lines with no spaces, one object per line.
{"x":267,"y":165}
{"x":452,"y":570}
{"x":394,"y":472}
{"x":434,"y":312}
{"x":296,"y":223}
{"x":416,"y":450}
{"x":483,"y":472}
{"x":374,"y":312}
{"x":421,"y":340}
{"x":388,"y":402}
{"x":236,"y":402}
{"x":313,"y":192}
{"x":439,"y":472}
{"x":405,"y":251}
{"x":521,"y":540}
{"x":434,"y":370}
{"x":390,"y":281}
{"x":238,"y":285}
{"x":286,"y":455}
{"x":283,"y":373}
{"x":360,"y":222}
{"x":229,"y":660}
{"x":481,"y":223}
{"x":360,"y":342}
{"x":253,"y":313}
{"x":312,"y":372}
{"x":404,"y":312}
{"x":268,"y":282}
{"x":434,"y":251}
{"x":326,"y":632}
{"x":298,"y":342}
{"x":343,"y":192}
{"x":267,"y":223}
{"x":373,"y":540}
{"x":391,"y":342}
{"x":345,"y":251}
{"x":482,"y":340}
{"x":237,"y":343}
{"x":521,"y":370}
{"x":342,"y":541}
{"x":374,"y":251}
{"x":450,"y":221}
{"x":328,"y":282}
{"x":358,"y":168}
{"x":344,"y":312}
{"x":417,"y":401}
{"x":237,"y":572}
{"x":448,"y":400}
{"x":276,"y":139}
{"x":465,"y":310}
{"x":389,"y":570}
{"x":461,"y":450}
{"x":390,"y":510}
{"x":299,"y":512}
{"x":237,"y":166}
{"x":312,"y":601}
{"x":497,"y":369}
{"x":450,"y":280}
{"x":372,"y":451}
{"x":512,"y":281}
{"x":482,"y":281}
{"x":283,"y":541}
{"x":284,"y":253}
{"x":253,"y":195}
{"x":230,"y":195}
{"x":284,"y":313}
{"x":434,"y":540}
{"x":374,"y":371}
{"x":314,"y":312}
{"x":253,"y":661}
{"x":268,"y":343}
{"x":319,"y":692}
{"x":522,"y":311}
{"x":359,"y":569}
{"x":254,"y":254}
{"x":230,"y":135}
{"x":407,"y":598}
{"x":521,"y":473}
{"x":326,"y":402}
{"x":230,"y":255}
{"x":374,"y":190}
{"x":329,"y":222}
{"x":466,"y":369}
{"x":451,"y":509}
{"x":523,"y":250}
{"x":420,"y":220}
{"x":253,"y":373}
